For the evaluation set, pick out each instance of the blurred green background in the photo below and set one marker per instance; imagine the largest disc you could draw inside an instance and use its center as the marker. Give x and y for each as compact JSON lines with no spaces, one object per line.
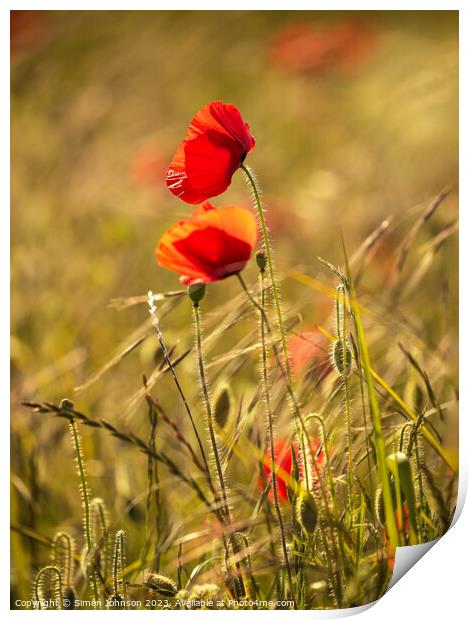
{"x":100,"y":101}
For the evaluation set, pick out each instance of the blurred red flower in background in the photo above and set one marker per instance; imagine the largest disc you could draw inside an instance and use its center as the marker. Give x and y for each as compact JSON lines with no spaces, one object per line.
{"x":212,"y":244}
{"x":27,"y":29}
{"x":215,"y":146}
{"x":148,"y":165}
{"x":284,"y":461}
{"x":301,"y":48}
{"x":309,"y":352}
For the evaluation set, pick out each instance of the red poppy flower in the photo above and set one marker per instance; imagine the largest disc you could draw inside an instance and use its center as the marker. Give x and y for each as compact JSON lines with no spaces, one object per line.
{"x":210,"y":245}
{"x":215,"y":146}
{"x":284,"y":462}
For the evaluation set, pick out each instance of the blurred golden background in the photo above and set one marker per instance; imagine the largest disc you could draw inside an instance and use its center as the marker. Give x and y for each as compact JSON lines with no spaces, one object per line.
{"x":355,"y":117}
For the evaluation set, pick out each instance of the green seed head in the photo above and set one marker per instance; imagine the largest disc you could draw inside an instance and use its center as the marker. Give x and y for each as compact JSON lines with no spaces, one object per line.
{"x":306,"y":512}
{"x":337,"y":355}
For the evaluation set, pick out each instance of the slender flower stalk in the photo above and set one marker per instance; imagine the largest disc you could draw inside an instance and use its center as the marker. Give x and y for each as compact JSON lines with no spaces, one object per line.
{"x":209,"y":415}
{"x":196,"y":293}
{"x":376,"y":417}
{"x":62,"y":555}
{"x":58,"y":585}
{"x":118,"y":565}
{"x":270,"y":427}
{"x":312,"y":460}
{"x":85,"y":495}
{"x":302,"y":433}
{"x":343,"y":367}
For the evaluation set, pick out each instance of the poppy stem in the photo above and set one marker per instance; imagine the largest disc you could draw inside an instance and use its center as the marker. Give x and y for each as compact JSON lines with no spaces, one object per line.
{"x":280,"y":320}
{"x":270,"y":426}
{"x":341,"y":320}
{"x":85,"y":496}
{"x":209,"y":413}
{"x":225,"y":508}
{"x":270,"y":265}
{"x":301,"y":428}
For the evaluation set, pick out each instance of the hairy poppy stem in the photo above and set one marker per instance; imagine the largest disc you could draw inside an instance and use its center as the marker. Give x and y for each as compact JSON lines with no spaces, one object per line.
{"x":58,"y":585}
{"x":270,"y":426}
{"x":209,"y":413}
{"x":280,"y":321}
{"x":85,"y":494}
{"x":375,"y":413}
{"x":341,"y":320}
{"x":301,"y":428}
{"x":225,"y":508}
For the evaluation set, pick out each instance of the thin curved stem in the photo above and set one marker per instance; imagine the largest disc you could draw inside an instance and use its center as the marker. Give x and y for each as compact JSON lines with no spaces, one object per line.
{"x":85,"y":493}
{"x":58,"y":588}
{"x":225,"y":516}
{"x":270,"y":426}
{"x":175,"y":378}
{"x":209,"y":414}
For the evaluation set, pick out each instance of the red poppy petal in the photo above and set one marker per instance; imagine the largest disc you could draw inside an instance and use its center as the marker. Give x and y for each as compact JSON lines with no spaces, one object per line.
{"x":215,"y":253}
{"x":203,"y":167}
{"x":216,"y":143}
{"x":210,"y":245}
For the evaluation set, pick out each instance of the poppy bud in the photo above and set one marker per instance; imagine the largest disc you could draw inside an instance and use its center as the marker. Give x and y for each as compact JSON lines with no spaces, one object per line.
{"x":223,"y":406}
{"x":261,"y":261}
{"x":196,"y":293}
{"x":160,"y":584}
{"x":338,"y":357}
{"x":306,"y":512}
